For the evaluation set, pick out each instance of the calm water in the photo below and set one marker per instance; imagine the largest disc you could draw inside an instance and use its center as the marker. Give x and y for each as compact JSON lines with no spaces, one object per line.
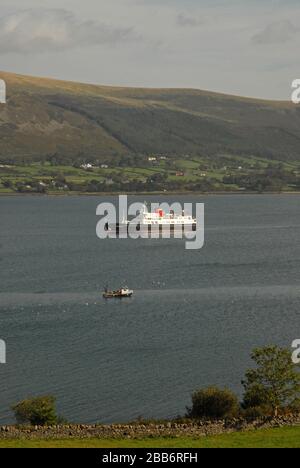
{"x":194,"y":319}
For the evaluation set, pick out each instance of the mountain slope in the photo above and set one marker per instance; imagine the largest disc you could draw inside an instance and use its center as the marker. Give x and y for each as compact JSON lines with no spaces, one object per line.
{"x":44,"y":117}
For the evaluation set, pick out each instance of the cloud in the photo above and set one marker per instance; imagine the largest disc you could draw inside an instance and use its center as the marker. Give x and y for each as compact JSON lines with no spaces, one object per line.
{"x":188,"y":21}
{"x":276,"y":33}
{"x":44,"y":30}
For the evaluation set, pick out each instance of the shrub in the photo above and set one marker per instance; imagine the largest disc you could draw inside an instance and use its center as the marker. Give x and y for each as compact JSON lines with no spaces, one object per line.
{"x":255,"y":396}
{"x":39,"y":411}
{"x":294,"y":406}
{"x":213,"y":403}
{"x":256,"y":412}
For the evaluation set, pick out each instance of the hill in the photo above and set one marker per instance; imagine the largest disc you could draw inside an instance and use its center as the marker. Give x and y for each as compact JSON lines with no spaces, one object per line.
{"x":46,"y":118}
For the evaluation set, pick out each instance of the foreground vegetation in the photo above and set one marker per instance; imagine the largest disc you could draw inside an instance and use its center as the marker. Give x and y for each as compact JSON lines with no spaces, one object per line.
{"x":271,"y":438}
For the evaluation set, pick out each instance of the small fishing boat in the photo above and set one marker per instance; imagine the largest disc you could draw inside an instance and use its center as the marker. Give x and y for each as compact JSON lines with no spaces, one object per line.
{"x":119,"y":293}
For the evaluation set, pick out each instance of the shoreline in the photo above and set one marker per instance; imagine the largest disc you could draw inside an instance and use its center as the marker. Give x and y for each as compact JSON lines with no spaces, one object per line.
{"x":114,"y":194}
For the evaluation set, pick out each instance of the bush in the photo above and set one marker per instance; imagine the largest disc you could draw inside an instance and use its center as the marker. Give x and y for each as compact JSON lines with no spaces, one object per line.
{"x":256,"y":412}
{"x":255,"y":397}
{"x":39,"y":411}
{"x":294,"y":406}
{"x":213,"y":403}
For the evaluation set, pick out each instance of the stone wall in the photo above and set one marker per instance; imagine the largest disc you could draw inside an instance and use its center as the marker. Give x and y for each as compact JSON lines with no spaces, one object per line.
{"x":135,"y":431}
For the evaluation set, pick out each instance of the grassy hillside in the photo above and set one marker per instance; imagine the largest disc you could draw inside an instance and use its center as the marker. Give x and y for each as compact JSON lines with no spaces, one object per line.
{"x":271,"y":438}
{"x":46,"y":117}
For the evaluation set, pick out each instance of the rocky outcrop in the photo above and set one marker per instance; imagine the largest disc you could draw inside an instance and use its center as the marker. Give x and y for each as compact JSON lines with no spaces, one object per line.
{"x":137,"y":430}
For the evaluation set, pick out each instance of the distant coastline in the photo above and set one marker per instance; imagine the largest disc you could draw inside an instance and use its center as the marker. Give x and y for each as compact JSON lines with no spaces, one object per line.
{"x":165,"y":194}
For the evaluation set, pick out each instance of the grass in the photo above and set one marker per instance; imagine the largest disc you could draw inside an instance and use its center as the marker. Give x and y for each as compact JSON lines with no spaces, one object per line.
{"x":5,"y":190}
{"x":72,"y":121}
{"x":288,"y":437}
{"x":46,"y":173}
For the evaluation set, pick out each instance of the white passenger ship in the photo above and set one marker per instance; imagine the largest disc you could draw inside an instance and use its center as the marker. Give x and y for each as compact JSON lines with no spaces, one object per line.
{"x":158,"y":220}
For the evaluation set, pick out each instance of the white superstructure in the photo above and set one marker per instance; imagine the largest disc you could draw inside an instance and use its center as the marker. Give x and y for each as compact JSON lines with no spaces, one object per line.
{"x":159,"y":217}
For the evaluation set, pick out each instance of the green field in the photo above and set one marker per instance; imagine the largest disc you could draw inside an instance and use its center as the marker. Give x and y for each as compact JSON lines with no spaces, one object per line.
{"x":272,"y":438}
{"x":178,"y":175}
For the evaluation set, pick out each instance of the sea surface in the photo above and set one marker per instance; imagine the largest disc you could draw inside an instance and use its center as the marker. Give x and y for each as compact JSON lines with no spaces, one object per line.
{"x":193,"y":321}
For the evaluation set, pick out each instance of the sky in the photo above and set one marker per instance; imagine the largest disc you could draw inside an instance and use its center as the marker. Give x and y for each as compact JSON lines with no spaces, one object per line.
{"x":241,"y":47}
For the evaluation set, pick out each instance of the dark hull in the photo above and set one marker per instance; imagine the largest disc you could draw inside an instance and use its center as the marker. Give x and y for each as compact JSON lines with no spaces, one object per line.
{"x":115,"y":296}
